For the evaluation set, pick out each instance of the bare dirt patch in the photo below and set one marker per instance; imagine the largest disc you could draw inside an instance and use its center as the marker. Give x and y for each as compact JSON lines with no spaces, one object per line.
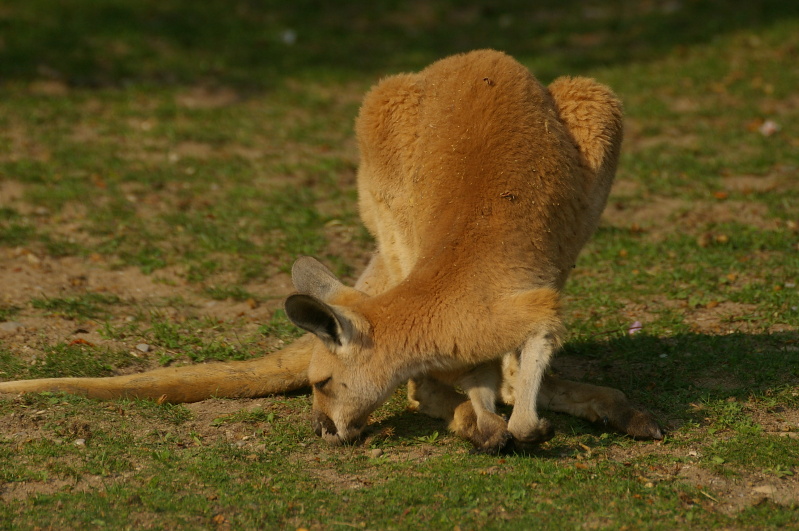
{"x":647,"y":217}
{"x":722,"y":317}
{"x":665,"y":216}
{"x":22,"y":490}
{"x":733,"y":494}
{"x":27,"y":276}
{"x":202,"y":97}
{"x":22,"y":144}
{"x":10,"y":191}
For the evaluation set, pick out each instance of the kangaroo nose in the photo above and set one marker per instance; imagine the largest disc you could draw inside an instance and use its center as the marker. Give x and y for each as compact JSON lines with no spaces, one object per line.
{"x":322,"y":424}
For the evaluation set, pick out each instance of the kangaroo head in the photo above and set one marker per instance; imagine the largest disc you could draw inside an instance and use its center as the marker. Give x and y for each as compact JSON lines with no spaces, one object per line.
{"x":347,"y":386}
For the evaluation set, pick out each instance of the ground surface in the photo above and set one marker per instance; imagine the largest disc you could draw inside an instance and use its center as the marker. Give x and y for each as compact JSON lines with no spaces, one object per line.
{"x":149,"y":215}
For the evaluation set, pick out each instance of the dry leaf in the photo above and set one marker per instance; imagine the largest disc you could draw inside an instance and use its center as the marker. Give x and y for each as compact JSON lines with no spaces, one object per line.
{"x":80,"y":341}
{"x":768,"y":490}
{"x":768,"y":128}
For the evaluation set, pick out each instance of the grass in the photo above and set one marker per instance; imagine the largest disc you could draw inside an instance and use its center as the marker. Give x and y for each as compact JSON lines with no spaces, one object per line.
{"x":279,"y":326}
{"x":162,"y":164}
{"x":84,"y":306}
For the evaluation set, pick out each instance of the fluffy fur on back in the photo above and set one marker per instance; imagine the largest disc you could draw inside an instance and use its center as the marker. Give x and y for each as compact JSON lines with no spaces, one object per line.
{"x":474,"y":146}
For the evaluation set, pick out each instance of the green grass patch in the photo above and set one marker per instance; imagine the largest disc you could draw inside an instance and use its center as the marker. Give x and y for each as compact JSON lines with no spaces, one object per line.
{"x":79,"y":359}
{"x":85,"y":306}
{"x":247,"y":416}
{"x":175,"y":414}
{"x":236,"y":293}
{"x":279,"y":326}
{"x":10,"y":365}
{"x":8,"y":311}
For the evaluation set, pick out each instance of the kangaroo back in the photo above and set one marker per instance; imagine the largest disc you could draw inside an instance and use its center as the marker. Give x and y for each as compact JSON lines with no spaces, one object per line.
{"x":474,"y":156}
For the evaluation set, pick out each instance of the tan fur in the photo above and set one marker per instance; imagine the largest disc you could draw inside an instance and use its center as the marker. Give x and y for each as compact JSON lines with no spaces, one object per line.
{"x":480,"y":186}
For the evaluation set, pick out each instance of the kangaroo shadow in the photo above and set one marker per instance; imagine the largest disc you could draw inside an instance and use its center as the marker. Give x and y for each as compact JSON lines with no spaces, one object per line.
{"x":667,"y":374}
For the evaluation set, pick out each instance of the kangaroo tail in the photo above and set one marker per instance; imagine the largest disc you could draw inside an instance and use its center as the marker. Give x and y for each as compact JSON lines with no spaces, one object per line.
{"x":279,"y":372}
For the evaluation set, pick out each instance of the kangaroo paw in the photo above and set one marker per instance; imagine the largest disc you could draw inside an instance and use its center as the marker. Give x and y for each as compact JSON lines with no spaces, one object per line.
{"x":496,"y":445}
{"x":489,"y":435}
{"x":635,"y":423}
{"x":541,"y":433}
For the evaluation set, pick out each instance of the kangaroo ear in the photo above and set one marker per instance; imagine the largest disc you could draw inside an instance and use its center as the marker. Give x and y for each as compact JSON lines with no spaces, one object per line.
{"x":312,"y":278}
{"x":593,"y":115}
{"x":323,"y":320}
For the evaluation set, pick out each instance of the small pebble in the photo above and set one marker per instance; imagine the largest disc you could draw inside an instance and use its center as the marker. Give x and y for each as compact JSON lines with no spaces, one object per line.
{"x":769,"y":127}
{"x":80,"y":442}
{"x":374,"y":453}
{"x":288,"y":37}
{"x":143,"y":347}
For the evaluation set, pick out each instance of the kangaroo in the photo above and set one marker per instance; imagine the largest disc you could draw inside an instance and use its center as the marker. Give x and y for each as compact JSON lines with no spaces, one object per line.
{"x":480,"y":186}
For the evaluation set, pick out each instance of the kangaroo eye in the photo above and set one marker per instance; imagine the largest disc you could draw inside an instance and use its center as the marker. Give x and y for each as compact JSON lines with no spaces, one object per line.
{"x":320,"y":384}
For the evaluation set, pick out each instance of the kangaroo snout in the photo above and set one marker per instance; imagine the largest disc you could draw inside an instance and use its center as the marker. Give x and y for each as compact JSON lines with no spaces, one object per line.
{"x":323,"y":426}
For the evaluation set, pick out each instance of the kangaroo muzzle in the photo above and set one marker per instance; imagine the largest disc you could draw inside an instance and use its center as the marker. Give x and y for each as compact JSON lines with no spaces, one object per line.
{"x":323,"y":426}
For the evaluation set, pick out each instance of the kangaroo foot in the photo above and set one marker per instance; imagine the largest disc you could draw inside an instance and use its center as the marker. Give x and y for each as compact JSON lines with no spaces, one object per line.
{"x":634,"y":422}
{"x":489,"y":434}
{"x":532,"y":438}
{"x":598,"y":404}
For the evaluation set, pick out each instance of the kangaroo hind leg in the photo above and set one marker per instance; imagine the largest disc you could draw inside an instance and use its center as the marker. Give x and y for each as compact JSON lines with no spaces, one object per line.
{"x":598,"y":404}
